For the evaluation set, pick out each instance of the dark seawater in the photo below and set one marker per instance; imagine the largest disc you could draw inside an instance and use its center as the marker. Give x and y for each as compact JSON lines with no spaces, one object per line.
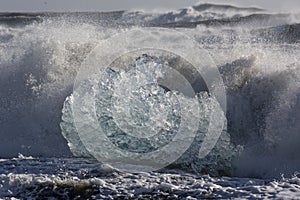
{"x":257,"y":53}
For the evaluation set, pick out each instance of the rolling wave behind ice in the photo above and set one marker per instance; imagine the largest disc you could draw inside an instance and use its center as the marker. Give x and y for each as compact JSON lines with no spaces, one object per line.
{"x":260,"y":66}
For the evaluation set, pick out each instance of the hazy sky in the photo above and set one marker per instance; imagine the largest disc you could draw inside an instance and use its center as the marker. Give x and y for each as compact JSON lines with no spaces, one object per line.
{"x":105,"y":5}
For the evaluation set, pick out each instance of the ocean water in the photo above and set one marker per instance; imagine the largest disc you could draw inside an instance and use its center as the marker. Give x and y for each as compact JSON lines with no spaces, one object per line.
{"x":256,"y":53}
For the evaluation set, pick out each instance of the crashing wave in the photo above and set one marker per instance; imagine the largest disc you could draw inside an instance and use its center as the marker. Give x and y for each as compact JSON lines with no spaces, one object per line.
{"x":259,"y":64}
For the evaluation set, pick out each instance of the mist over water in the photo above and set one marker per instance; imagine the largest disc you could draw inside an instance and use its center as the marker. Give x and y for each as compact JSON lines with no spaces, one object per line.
{"x":257,"y":54}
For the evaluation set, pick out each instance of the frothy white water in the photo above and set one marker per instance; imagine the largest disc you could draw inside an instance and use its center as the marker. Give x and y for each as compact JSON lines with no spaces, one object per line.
{"x":44,"y":178}
{"x":39,"y":62}
{"x":38,"y":65}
